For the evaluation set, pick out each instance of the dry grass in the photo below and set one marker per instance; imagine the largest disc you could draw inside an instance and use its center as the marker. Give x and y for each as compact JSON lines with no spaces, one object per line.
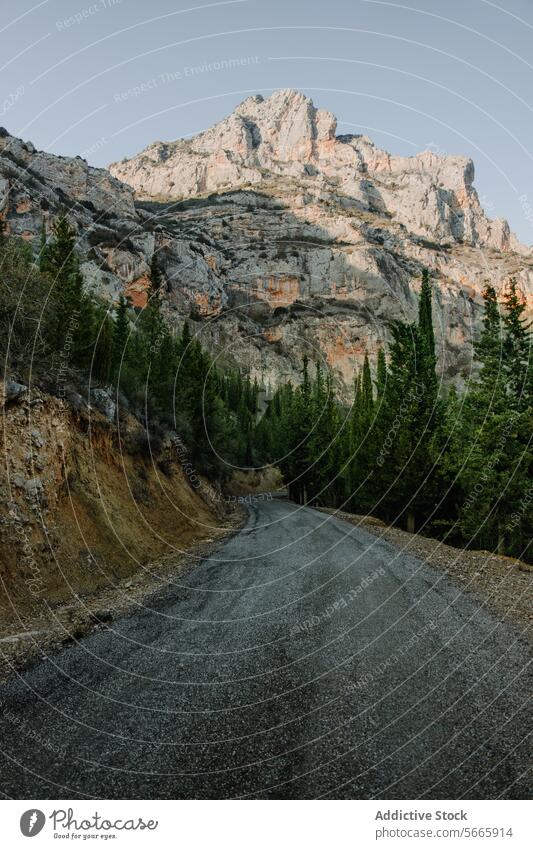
{"x":105,"y":520}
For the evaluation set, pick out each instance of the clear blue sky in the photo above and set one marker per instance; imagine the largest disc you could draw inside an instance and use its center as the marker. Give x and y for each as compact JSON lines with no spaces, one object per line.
{"x":456,"y":77}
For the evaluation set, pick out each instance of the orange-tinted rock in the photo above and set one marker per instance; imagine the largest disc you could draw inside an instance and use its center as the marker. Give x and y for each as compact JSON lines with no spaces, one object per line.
{"x":278,"y":291}
{"x":205,"y":305}
{"x":23,"y":206}
{"x":137,"y":291}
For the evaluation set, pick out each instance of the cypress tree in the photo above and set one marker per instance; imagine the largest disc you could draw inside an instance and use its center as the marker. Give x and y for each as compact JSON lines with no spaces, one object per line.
{"x":490,"y":447}
{"x":517,"y":345}
{"x":414,"y":406}
{"x":297,"y":430}
{"x":71,"y":318}
{"x":367,"y":397}
{"x":121,"y":332}
{"x":103,"y":350}
{"x":425,"y":313}
{"x":381,"y":374}
{"x":427,"y":360}
{"x":42,"y":246}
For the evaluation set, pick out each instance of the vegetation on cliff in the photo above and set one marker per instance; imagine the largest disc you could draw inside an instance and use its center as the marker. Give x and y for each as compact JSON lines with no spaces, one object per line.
{"x":457,"y":467}
{"x":53,"y":328}
{"x":406,"y":451}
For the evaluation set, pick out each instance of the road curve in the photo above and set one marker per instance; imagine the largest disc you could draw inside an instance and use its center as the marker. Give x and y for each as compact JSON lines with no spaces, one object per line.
{"x":305,"y":659}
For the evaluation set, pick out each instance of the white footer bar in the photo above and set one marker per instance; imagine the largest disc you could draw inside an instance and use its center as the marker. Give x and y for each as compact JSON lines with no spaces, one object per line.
{"x":267,"y":824}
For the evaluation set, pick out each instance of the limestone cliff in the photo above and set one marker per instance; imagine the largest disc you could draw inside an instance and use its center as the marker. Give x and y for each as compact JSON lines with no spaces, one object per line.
{"x":279,"y":237}
{"x":286,"y":136}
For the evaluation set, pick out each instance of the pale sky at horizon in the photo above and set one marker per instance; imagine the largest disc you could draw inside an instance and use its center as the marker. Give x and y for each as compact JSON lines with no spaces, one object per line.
{"x":454,"y":77}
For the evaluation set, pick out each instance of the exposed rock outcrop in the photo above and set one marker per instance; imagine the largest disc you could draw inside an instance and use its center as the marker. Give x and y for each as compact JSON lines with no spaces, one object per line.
{"x":278,"y":237}
{"x":83,"y":506}
{"x":285,"y":135}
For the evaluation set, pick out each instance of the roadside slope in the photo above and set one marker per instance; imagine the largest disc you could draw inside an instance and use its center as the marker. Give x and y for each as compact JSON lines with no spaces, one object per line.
{"x":86,"y":503}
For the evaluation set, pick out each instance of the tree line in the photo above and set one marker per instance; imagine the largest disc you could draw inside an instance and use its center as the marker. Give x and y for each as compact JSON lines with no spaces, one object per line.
{"x":455,"y":466}
{"x":50,"y":324}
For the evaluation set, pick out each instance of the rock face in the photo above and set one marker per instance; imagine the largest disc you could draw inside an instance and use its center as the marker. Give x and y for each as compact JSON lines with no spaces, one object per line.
{"x":287,"y":136}
{"x":278,"y":238}
{"x":318,"y":240}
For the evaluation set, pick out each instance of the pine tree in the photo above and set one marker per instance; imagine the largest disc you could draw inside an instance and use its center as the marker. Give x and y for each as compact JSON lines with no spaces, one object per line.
{"x":381,"y":372}
{"x":162,"y":377}
{"x":363,"y":441}
{"x":489,"y":348}
{"x":186,"y":338}
{"x":491,"y":449}
{"x":425,"y":314}
{"x":367,"y":395}
{"x":517,"y":346}
{"x":427,"y":359}
{"x":103,"y":349}
{"x":298,"y":426}
{"x":318,"y":439}
{"x":71,"y":319}
{"x":152,"y":324}
{"x":413,"y":402}
{"x":121,"y":332}
{"x":333,"y":489}
{"x":42,"y":246}
{"x":156,"y":277}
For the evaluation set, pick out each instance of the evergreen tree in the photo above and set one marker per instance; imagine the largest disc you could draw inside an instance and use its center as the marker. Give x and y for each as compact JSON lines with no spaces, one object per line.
{"x":363,"y":442}
{"x":162,"y":377}
{"x":495,"y":465}
{"x":70,"y":329}
{"x":42,"y":246}
{"x":297,"y":431}
{"x":489,"y":348}
{"x":425,"y":315}
{"x":152,"y":324}
{"x":460,"y":466}
{"x":381,"y":381}
{"x":103,"y":349}
{"x":156,"y":277}
{"x":415,"y":416}
{"x":186,"y":338}
{"x":517,"y":346}
{"x":121,"y":332}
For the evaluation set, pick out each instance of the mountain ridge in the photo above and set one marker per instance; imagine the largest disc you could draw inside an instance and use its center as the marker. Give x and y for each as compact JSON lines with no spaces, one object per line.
{"x":286,"y":135}
{"x":316,"y":254}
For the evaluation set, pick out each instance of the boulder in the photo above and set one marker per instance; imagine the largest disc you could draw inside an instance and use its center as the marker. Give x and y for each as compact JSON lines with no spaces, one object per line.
{"x":13,"y":392}
{"x":102,"y":400}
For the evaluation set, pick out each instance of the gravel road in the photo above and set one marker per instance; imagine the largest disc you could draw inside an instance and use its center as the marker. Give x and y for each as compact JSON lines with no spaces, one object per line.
{"x":304,"y":659}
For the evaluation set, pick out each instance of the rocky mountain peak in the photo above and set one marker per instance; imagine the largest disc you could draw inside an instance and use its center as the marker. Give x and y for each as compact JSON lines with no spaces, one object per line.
{"x":277,"y":237}
{"x":264,"y":133}
{"x":285,"y":136}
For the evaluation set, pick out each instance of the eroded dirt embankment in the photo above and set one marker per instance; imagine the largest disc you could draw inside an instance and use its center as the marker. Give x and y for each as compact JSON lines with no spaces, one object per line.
{"x":88,"y":505}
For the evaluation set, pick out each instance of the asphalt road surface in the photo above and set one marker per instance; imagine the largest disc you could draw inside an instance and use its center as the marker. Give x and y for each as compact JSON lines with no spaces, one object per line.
{"x":304,"y":659}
